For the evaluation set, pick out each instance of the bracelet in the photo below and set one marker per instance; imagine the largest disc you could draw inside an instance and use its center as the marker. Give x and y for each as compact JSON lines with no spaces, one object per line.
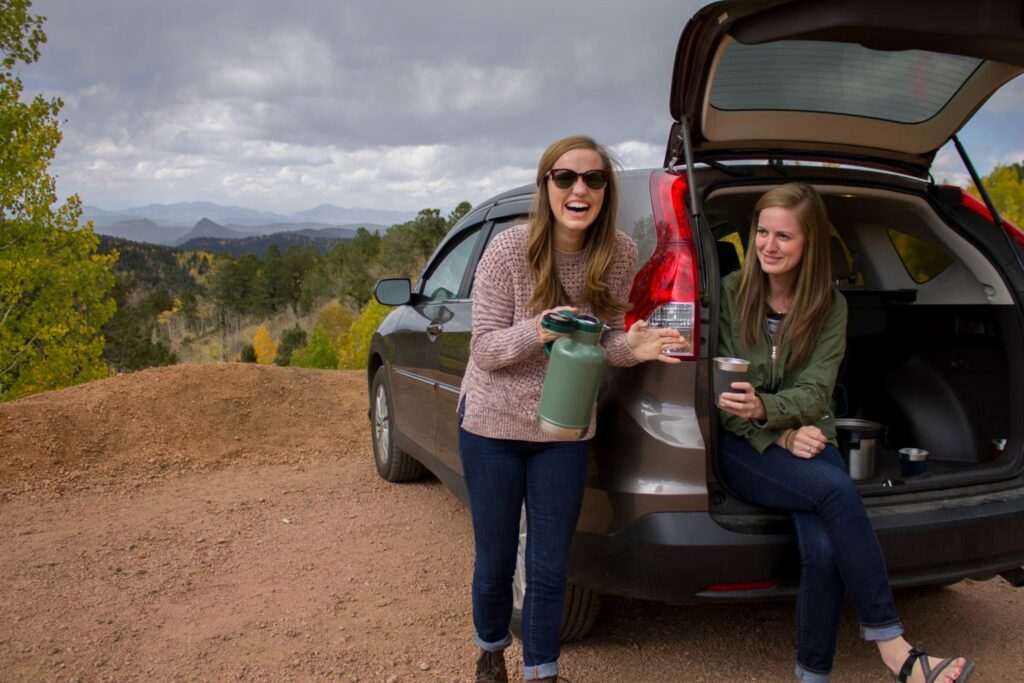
{"x":790,"y":435}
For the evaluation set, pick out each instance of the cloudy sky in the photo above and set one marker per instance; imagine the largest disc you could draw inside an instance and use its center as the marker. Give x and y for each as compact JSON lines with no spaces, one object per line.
{"x":389,"y":104}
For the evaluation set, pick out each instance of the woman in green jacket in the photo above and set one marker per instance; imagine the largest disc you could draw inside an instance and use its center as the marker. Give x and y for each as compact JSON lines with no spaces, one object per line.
{"x":778,"y":448}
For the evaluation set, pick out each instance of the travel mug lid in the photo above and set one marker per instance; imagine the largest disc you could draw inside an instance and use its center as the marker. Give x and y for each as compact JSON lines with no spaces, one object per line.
{"x":732,"y":364}
{"x":589,"y":323}
{"x":914,"y":454}
{"x":557,"y":322}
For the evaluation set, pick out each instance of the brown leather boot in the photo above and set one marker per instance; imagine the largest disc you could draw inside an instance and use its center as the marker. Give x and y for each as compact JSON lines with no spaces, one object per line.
{"x":490,"y":667}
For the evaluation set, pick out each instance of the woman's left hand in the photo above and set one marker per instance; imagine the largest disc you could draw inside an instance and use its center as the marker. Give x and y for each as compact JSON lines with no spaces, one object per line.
{"x":742,"y":401}
{"x":647,"y":343}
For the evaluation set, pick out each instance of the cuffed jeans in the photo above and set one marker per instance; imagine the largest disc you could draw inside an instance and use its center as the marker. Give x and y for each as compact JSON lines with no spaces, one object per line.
{"x":839,"y":552}
{"x":500,"y":476}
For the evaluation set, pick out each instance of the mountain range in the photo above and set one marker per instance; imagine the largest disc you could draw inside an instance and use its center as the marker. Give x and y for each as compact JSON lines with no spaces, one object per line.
{"x":174,"y":224}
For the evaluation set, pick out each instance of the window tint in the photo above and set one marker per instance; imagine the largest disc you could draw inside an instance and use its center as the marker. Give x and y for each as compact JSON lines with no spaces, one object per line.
{"x":922,"y":260}
{"x":838,"y":78}
{"x":446,"y":274}
{"x":499,"y":226}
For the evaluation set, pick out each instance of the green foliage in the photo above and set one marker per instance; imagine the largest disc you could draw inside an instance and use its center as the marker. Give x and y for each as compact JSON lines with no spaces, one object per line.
{"x":458,"y":212}
{"x":407,"y":246}
{"x":145,"y":267}
{"x":355,"y":346}
{"x":291,"y":339}
{"x":129,"y":333}
{"x":335,"y":320}
{"x":259,"y":245}
{"x":354,"y":264}
{"x":54,"y":286}
{"x":1005,"y":187}
{"x":247,"y":354}
{"x":319,"y":353}
{"x":189,"y":307}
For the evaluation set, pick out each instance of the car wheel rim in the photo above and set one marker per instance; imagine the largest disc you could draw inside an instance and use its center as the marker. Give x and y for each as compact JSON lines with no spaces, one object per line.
{"x":381,"y":425}
{"x":519,"y":578}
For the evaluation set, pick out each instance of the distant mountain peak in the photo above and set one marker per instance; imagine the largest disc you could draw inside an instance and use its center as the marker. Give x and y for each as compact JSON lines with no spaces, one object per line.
{"x":206,"y":224}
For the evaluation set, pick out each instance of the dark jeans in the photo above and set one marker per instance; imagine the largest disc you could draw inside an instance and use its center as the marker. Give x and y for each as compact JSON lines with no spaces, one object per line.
{"x":839,"y":552}
{"x":500,"y":476}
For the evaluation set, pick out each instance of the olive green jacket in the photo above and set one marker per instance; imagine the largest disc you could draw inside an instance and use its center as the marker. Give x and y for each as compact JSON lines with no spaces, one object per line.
{"x":792,"y":398}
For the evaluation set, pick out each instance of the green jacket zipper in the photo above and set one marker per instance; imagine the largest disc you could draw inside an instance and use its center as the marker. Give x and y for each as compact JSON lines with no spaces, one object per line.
{"x":771,"y":367}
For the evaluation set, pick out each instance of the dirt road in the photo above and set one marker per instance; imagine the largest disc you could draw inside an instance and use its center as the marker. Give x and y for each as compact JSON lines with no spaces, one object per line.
{"x":224,"y":522}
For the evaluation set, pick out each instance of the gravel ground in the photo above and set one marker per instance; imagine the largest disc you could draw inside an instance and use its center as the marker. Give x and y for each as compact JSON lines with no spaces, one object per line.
{"x":224,"y":522}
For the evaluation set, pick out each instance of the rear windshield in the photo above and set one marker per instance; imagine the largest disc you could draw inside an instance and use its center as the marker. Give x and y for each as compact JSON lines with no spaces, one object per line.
{"x":838,"y":78}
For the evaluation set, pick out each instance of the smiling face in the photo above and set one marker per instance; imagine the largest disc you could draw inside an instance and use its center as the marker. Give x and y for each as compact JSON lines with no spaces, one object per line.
{"x":779,"y":241}
{"x":576,"y":208}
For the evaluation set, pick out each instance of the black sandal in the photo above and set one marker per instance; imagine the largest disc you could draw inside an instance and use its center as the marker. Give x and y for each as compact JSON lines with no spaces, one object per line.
{"x":931,"y":675}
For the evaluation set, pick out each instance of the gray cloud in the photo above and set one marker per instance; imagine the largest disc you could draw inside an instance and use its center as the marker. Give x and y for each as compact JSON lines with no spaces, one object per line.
{"x":389,"y":104}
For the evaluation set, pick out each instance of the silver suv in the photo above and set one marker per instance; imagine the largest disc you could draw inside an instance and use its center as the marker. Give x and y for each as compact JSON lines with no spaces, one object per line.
{"x":854,"y":98}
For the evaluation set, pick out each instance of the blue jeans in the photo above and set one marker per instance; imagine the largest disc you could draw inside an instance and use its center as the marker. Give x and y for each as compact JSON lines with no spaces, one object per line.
{"x":839,"y":552}
{"x":500,"y":476}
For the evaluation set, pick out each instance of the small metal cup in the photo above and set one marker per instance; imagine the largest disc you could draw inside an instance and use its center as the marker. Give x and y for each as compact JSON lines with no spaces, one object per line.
{"x":913,"y":461}
{"x":727,"y":371}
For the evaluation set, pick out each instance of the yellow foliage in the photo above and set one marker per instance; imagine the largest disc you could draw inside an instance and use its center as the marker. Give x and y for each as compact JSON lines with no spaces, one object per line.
{"x":334,"y":320}
{"x":266,"y":347}
{"x":354,"y":347}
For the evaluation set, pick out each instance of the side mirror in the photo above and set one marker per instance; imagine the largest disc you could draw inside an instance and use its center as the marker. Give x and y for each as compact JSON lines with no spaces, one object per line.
{"x":393,"y":291}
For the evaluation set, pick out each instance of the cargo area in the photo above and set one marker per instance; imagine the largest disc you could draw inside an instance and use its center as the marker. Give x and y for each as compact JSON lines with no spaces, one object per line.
{"x":934,"y":338}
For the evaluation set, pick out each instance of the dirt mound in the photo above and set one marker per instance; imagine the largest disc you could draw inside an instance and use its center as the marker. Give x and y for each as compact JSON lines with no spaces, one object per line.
{"x":193,"y":416}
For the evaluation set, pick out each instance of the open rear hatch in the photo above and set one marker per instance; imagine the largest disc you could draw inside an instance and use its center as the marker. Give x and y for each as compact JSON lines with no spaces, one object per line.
{"x":873,"y":82}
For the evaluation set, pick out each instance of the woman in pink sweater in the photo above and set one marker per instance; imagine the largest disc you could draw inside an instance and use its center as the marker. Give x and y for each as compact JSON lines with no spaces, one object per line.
{"x":569,"y":255}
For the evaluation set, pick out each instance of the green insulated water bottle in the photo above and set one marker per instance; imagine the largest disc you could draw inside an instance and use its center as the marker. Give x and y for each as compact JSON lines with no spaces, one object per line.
{"x":573,"y":377}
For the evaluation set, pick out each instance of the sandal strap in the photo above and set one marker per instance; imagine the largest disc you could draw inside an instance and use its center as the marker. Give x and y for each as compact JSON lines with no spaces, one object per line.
{"x":908,"y":665}
{"x":931,"y":674}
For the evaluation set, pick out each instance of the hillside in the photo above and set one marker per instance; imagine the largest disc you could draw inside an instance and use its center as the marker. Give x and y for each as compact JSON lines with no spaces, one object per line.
{"x":191,"y":416}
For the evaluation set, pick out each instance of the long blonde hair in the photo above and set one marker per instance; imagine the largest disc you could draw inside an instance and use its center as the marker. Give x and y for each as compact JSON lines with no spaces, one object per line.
{"x":598,"y":240}
{"x":813,"y":293}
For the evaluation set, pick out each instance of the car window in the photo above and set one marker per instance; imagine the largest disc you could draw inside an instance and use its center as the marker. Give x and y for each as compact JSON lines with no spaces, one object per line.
{"x":839,"y":78}
{"x":922,"y":260}
{"x":499,"y":226}
{"x":445,"y":276}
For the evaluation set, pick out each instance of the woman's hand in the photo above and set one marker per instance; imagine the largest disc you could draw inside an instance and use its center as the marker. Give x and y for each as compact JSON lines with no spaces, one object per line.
{"x":805,"y":442}
{"x":743,"y":402}
{"x":647,"y":343}
{"x":544,"y":335}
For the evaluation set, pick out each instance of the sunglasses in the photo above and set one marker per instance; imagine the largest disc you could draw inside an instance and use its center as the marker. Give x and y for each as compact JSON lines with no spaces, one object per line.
{"x":565,"y":178}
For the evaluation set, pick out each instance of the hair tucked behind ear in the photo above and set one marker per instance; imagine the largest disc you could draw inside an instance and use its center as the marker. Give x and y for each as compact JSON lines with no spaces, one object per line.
{"x":598,"y":240}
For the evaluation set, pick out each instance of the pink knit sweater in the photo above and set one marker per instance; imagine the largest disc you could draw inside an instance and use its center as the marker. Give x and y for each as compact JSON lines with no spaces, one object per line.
{"x":505,"y":374}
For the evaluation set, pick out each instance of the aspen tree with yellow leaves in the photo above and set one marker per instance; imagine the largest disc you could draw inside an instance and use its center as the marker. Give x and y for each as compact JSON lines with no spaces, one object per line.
{"x":266,"y":347}
{"x":54,"y":284}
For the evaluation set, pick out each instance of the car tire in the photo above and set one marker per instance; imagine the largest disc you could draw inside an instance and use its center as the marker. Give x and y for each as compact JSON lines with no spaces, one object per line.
{"x":393,"y":464}
{"x":581,"y":607}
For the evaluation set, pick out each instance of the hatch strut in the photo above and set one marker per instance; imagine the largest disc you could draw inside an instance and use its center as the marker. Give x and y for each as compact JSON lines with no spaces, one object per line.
{"x":696,"y":210}
{"x":977,"y":183}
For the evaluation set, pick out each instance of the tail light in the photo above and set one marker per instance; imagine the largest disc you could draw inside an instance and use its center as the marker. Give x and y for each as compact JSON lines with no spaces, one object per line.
{"x":665,"y":290}
{"x":974,"y":204}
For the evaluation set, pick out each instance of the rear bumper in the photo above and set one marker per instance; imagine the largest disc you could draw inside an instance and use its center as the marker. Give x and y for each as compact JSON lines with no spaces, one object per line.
{"x":675,"y":557}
